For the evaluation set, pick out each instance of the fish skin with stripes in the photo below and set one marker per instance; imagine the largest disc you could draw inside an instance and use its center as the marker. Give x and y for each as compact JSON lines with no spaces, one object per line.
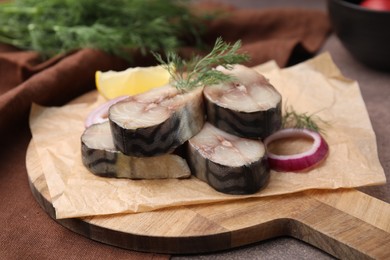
{"x":156,"y":122}
{"x":249,"y":106}
{"x":100,"y":157}
{"x":228,"y":163}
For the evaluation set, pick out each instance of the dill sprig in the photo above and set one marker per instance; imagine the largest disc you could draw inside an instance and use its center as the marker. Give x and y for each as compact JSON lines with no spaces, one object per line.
{"x":198,"y":71}
{"x":118,"y":27}
{"x":292,"y":119}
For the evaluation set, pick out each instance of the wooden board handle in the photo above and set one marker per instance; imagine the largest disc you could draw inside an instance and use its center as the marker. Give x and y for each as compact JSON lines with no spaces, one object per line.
{"x":339,"y":233}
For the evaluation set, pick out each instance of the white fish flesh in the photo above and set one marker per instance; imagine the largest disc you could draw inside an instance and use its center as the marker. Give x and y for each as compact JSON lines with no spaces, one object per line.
{"x":101,"y":158}
{"x":228,"y":163}
{"x":156,"y":122}
{"x":248,"y":107}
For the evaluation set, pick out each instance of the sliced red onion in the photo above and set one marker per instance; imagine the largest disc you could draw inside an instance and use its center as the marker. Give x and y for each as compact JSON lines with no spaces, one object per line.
{"x":100,"y":114}
{"x":300,"y":161}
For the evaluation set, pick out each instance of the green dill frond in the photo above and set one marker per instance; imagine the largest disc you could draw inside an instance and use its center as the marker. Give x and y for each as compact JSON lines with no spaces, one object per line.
{"x":292,"y":119}
{"x":198,"y":71}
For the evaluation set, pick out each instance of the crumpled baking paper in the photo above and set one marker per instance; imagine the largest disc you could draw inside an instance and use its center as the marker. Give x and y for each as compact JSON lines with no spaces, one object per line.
{"x":314,"y":87}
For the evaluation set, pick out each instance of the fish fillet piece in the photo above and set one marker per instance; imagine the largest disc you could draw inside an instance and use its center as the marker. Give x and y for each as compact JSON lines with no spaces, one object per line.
{"x":228,"y":163}
{"x":248,"y":107}
{"x":156,"y":122}
{"x":101,"y":158}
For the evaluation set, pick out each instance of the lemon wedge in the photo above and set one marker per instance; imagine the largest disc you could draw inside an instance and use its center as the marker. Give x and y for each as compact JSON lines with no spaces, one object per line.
{"x":132,"y":81}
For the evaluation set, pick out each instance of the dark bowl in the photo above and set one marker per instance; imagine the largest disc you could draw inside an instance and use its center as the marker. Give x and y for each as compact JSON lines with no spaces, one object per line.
{"x":365,"y":33}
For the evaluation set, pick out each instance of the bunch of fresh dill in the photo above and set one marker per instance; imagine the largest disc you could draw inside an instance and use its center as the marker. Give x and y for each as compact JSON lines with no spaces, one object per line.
{"x":53,"y":27}
{"x":198,"y":71}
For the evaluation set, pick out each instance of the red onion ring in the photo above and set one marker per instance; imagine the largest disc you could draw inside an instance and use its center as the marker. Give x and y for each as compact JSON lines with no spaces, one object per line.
{"x":300,"y":161}
{"x":100,"y":113}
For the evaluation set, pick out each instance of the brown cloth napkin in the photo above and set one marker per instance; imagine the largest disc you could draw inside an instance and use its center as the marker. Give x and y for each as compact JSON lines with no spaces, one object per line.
{"x":284,"y":35}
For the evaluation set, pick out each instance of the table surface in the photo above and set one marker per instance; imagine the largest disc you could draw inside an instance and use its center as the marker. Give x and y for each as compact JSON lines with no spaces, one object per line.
{"x":375,"y":89}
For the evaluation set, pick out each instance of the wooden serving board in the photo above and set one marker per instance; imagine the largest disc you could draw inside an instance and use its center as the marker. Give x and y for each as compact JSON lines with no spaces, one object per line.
{"x":345,"y":223}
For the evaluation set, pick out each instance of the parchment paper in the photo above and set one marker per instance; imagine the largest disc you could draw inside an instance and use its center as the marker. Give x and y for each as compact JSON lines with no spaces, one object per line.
{"x":315,"y":86}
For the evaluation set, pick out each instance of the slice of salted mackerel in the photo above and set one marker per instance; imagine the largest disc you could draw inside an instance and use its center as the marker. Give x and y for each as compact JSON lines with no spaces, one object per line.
{"x":248,"y":107}
{"x":228,"y":163}
{"x":101,"y":158}
{"x":156,"y":122}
